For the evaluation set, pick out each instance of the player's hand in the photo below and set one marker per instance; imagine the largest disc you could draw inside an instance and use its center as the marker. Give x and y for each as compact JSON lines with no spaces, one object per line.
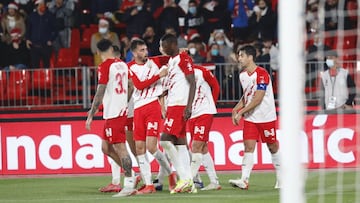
{"x":164,"y":71}
{"x":187,"y":113}
{"x":88,"y":123}
{"x":235,"y":117}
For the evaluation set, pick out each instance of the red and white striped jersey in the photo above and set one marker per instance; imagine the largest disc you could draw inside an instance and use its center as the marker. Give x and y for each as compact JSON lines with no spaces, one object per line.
{"x":258,"y":80}
{"x":206,"y":93}
{"x":147,"y":83}
{"x":114,"y":74}
{"x":175,"y":82}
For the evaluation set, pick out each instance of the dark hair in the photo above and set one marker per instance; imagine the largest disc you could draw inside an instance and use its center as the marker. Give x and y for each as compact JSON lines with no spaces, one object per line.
{"x":136,"y":42}
{"x":116,"y":50}
{"x":249,"y":50}
{"x":104,"y":45}
{"x":169,"y":38}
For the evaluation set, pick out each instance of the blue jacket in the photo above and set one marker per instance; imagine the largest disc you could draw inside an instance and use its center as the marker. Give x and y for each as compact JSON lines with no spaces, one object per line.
{"x":242,"y":19}
{"x":41,"y":28}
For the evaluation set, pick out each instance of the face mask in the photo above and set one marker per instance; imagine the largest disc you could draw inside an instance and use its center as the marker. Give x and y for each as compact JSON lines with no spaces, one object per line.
{"x":214,"y":52}
{"x":192,"y":51}
{"x":317,"y":44}
{"x":103,"y":30}
{"x":192,"y":10}
{"x":220,"y":42}
{"x":42,"y":8}
{"x":330,"y":62}
{"x":139,"y":8}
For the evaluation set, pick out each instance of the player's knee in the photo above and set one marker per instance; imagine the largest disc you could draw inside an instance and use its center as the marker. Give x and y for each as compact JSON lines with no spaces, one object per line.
{"x":273,"y":147}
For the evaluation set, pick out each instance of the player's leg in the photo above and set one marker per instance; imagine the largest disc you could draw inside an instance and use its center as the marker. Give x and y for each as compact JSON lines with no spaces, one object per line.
{"x":251,"y":135}
{"x":140,"y":125}
{"x":114,"y":186}
{"x":131,"y":143}
{"x":209,"y":165}
{"x":116,"y":135}
{"x":269,"y":136}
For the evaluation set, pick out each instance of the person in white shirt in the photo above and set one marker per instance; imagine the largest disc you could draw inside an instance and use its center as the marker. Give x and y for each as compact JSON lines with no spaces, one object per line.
{"x":145,"y":74}
{"x":339,"y":89}
{"x":207,"y":93}
{"x":113,"y":92}
{"x":180,"y":87}
{"x":257,"y":107}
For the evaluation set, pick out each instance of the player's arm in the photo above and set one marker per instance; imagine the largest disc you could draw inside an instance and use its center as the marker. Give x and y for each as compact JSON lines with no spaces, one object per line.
{"x":258,"y":97}
{"x":213,"y":83}
{"x":100,"y":91}
{"x":235,"y":110}
{"x":162,"y":104}
{"x":140,"y":85}
{"x":130,"y":88}
{"x":191,"y":80}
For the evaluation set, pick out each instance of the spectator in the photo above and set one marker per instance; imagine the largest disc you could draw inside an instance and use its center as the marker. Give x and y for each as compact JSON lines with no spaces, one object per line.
{"x":103,"y":8}
{"x":240,"y":10}
{"x":180,"y":38}
{"x":339,"y":87}
{"x":214,"y":56}
{"x":103,"y":33}
{"x":170,"y":15}
{"x":315,"y":57}
{"x":194,"y":53}
{"x":16,"y":53}
{"x":193,"y":19}
{"x":215,"y":17}
{"x":331,"y":19}
{"x":262,"y":23}
{"x":124,"y":47}
{"x":225,"y":45}
{"x":273,"y":51}
{"x":262,"y":58}
{"x":312,"y":16}
{"x":26,"y":7}
{"x":11,"y":20}
{"x":152,"y":41}
{"x":63,"y":11}
{"x":40,"y":34}
{"x":137,"y":18}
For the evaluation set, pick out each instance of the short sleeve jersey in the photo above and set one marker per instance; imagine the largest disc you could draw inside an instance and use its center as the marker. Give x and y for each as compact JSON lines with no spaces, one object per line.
{"x":114,"y":74}
{"x":258,"y":80}
{"x":140,"y":73}
{"x":175,"y":82}
{"x":203,"y":99}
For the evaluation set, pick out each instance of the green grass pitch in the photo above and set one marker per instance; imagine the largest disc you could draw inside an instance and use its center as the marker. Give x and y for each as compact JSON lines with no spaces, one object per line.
{"x":336,"y":187}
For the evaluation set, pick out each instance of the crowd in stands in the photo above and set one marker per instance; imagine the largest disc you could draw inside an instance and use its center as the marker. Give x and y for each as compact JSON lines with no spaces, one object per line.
{"x":37,"y":33}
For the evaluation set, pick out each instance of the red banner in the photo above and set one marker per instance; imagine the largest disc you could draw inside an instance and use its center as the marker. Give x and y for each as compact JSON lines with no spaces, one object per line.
{"x":51,"y":147}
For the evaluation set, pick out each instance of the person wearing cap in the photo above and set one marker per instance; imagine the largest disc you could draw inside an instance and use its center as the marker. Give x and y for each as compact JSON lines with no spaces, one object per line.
{"x":339,"y":88}
{"x":16,"y":55}
{"x":103,"y":33}
{"x":40,"y":35}
{"x":12,"y":19}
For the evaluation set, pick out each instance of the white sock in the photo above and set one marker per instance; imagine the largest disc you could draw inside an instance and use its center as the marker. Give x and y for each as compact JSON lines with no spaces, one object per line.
{"x":185,"y":160}
{"x":276,"y":162}
{"x":163,"y":162}
{"x":129,"y":182}
{"x":160,"y":176}
{"x":247,"y":165}
{"x":196,"y":160}
{"x":115,"y":172}
{"x":145,"y":168}
{"x":175,"y":158}
{"x":208,"y":163}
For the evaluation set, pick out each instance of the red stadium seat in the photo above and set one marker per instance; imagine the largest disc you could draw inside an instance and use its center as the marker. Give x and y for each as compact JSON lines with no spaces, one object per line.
{"x":75,"y":39}
{"x":43,"y":79}
{"x":86,"y":37}
{"x":18,"y":84}
{"x":67,"y":57}
{"x":2,"y":84}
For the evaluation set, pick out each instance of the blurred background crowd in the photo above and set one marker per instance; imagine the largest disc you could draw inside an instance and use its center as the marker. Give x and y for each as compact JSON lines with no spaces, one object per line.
{"x":63,"y":33}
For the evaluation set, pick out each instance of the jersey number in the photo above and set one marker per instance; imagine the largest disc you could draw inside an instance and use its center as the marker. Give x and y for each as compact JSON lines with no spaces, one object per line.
{"x":120,"y":88}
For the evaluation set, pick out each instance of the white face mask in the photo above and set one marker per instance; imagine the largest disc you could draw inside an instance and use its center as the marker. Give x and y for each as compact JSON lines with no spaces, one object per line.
{"x":192,"y":51}
{"x":103,"y":30}
{"x":330,"y":62}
